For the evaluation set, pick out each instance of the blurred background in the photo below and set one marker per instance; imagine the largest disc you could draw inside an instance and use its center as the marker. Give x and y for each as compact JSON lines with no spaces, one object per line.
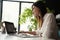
{"x":19,"y":12}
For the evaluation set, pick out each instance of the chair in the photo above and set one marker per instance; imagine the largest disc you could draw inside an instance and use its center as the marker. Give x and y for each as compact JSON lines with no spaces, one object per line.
{"x":58,"y":24}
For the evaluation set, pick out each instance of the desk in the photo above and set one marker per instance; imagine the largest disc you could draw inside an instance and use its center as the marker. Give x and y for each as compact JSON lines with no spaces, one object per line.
{"x":10,"y":37}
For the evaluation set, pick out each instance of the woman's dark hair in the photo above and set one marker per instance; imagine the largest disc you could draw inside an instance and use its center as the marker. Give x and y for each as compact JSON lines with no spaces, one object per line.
{"x":41,"y":6}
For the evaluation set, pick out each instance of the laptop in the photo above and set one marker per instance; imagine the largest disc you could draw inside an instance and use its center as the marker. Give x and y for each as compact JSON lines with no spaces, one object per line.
{"x":10,"y":27}
{"x":11,"y":30}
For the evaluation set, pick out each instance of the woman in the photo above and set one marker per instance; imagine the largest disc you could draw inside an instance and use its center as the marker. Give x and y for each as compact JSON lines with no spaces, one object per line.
{"x":46,"y":21}
{"x":46,"y":27}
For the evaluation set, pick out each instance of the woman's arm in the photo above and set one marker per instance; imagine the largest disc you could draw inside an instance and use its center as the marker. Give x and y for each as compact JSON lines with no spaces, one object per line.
{"x":33,"y":33}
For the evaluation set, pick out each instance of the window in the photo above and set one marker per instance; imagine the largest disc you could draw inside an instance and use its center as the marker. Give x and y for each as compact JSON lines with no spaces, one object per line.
{"x":10,"y":12}
{"x":27,"y":20}
{"x":13,"y":10}
{"x":25,"y":6}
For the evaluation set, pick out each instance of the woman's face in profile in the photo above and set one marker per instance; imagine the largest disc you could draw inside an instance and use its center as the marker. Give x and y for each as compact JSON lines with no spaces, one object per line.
{"x":36,"y":11}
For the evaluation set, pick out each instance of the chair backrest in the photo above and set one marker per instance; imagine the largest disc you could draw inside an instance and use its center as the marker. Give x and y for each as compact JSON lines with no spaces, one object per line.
{"x":58,"y":25}
{"x":10,"y":27}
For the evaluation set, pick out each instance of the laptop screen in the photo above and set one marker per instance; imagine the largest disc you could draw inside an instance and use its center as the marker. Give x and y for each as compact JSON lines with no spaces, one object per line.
{"x":9,"y":27}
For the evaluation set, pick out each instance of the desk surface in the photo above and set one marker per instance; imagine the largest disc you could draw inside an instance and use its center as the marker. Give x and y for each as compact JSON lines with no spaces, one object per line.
{"x":10,"y":37}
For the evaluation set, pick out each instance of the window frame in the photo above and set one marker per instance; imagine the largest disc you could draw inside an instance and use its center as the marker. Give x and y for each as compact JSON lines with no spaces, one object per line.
{"x":20,"y":2}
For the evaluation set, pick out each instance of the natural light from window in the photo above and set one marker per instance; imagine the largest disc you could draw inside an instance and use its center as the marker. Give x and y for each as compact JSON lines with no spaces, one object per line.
{"x":10,"y":12}
{"x":24,"y":26}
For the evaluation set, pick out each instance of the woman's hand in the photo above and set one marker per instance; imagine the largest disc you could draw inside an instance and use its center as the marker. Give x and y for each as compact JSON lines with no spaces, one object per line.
{"x":39,"y":33}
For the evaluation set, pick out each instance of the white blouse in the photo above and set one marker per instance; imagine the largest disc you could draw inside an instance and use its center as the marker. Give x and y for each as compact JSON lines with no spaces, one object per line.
{"x":49,"y":27}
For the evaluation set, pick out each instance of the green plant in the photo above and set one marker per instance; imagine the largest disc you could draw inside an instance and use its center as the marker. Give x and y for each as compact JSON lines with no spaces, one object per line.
{"x":28,"y":14}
